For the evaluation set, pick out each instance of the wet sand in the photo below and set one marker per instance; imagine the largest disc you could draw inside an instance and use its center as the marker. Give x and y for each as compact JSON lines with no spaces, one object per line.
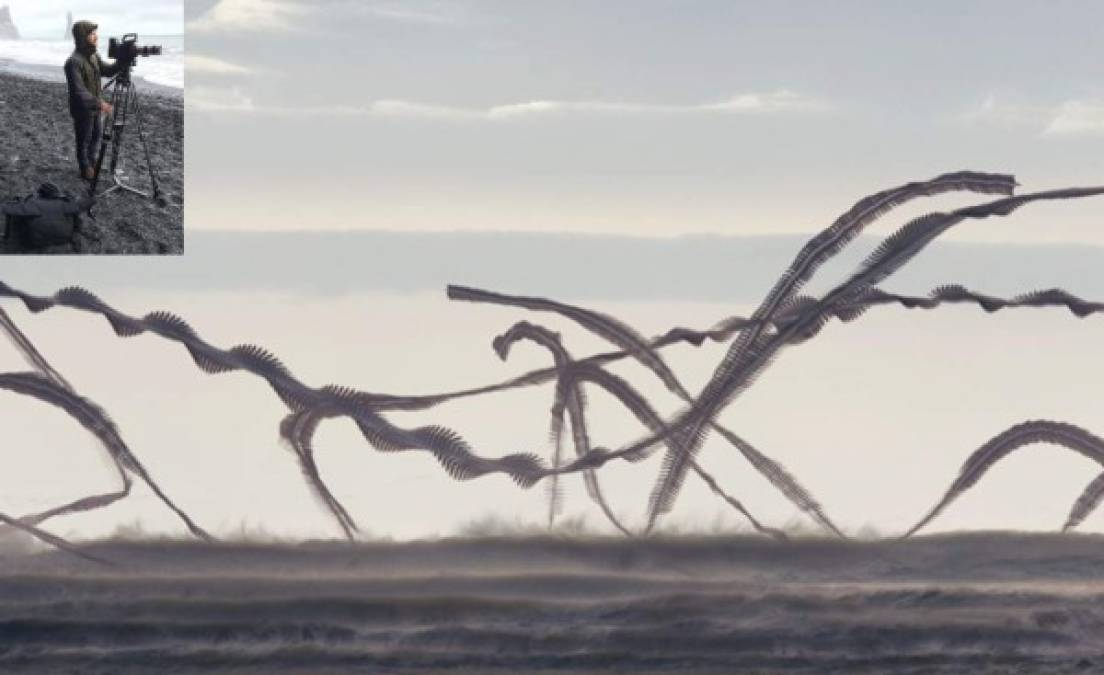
{"x":976,"y":603}
{"x":37,"y":145}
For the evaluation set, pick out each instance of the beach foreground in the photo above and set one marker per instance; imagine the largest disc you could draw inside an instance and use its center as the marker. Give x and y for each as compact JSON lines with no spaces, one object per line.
{"x":979,"y":603}
{"x":38,"y":146}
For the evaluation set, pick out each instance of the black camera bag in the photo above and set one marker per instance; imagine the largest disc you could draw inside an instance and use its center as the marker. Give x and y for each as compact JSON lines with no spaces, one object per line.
{"x":44,"y":220}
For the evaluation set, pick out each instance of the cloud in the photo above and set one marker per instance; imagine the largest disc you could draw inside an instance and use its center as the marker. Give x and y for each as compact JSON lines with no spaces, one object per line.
{"x":1070,"y":118}
{"x":196,"y":63}
{"x":996,"y":112}
{"x":249,"y":15}
{"x":396,"y":108}
{"x":780,"y":101}
{"x":424,"y":12}
{"x":437,"y":14}
{"x":1077,"y":118}
{"x":213,"y":99}
{"x":745,"y":104}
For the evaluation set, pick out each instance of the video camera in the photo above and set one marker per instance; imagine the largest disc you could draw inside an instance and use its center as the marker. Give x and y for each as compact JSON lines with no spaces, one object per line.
{"x":127,"y":49}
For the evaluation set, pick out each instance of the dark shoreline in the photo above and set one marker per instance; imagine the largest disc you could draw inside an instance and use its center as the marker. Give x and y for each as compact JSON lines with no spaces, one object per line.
{"x":37,"y":147}
{"x":986,"y":602}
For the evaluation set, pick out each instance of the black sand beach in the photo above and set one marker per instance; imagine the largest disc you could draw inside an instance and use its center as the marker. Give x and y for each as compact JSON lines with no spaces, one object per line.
{"x":36,"y":145}
{"x":971,"y":603}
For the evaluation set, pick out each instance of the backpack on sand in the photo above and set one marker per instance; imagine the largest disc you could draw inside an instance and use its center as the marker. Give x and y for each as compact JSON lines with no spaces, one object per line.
{"x":43,"y":220}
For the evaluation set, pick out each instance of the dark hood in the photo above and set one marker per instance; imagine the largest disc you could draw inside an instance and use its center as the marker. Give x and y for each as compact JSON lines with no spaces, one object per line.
{"x":81,"y":29}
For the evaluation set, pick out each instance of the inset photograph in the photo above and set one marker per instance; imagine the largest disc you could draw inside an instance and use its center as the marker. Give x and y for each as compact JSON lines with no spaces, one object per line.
{"x":92,"y":120}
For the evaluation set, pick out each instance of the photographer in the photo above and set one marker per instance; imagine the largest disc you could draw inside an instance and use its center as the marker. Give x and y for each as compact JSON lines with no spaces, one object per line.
{"x":83,"y":71}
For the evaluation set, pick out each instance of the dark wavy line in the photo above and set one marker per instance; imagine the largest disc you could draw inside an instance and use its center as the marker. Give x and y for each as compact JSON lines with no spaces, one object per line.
{"x":835,"y":238}
{"x":782,"y":320}
{"x":1086,"y":503}
{"x":1003,"y":444}
{"x":451,"y":451}
{"x":732,"y":377}
{"x":569,"y":397}
{"x":94,"y":419}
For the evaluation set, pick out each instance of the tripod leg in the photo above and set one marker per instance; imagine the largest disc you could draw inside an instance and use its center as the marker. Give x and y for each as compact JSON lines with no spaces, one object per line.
{"x":124,"y":97}
{"x":107,"y":136}
{"x":145,"y":146}
{"x":117,"y":141}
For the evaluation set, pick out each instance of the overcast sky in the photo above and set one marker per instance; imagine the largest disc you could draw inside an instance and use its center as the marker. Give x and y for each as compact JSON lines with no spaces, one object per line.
{"x":46,"y":18}
{"x":649,"y":118}
{"x":652,"y":117}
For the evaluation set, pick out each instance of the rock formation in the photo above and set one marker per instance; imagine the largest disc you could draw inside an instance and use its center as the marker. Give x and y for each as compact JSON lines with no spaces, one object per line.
{"x":68,"y":26}
{"x":7,"y":27}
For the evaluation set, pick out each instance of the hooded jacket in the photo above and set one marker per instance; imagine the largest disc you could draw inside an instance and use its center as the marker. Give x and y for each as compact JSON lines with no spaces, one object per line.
{"x":83,"y":71}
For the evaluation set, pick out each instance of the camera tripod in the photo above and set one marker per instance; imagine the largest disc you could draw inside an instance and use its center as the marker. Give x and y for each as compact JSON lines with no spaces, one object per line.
{"x":124,"y":98}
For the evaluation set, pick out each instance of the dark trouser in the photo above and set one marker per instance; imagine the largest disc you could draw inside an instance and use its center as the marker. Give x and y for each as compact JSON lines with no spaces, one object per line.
{"x":88,"y":130}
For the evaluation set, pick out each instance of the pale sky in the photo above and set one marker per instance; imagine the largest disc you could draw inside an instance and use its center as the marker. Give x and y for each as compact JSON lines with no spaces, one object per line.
{"x":657,"y":117}
{"x":45,"y":19}
{"x":563,"y":145}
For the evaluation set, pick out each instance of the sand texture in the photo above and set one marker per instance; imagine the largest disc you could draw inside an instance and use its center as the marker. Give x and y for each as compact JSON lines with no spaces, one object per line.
{"x":37,"y":145}
{"x":980,"y":603}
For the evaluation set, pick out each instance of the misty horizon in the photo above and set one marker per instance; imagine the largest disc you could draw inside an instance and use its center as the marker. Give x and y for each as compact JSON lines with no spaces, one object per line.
{"x":710,"y":267}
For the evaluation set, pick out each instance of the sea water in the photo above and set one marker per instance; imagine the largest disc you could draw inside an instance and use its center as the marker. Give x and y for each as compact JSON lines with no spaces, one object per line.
{"x":36,"y":57}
